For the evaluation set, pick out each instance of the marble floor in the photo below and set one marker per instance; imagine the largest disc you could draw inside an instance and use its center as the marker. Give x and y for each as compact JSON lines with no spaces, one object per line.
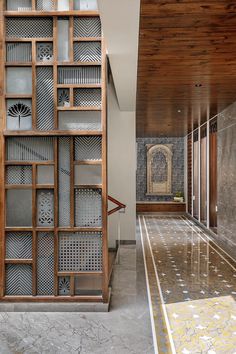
{"x":173,"y":293}
{"x":192,"y":286}
{"x":125,"y":329}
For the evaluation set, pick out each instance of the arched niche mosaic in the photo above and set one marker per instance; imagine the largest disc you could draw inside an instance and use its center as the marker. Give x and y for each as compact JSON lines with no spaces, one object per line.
{"x":159,"y":169}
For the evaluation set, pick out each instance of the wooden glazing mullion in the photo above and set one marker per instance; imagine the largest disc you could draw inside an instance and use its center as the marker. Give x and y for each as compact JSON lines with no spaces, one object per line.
{"x":34,"y":234}
{"x":72,"y":284}
{"x":71,"y":97}
{"x":105,"y":259}
{"x":72,"y":203}
{"x":33,"y":5}
{"x":56,"y":217}
{"x":2,"y":151}
{"x":33,"y":85}
{"x":55,"y":32}
{"x":71,"y":44}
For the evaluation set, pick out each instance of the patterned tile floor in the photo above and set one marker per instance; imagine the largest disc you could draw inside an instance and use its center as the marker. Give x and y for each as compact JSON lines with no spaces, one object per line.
{"x":192,"y":287}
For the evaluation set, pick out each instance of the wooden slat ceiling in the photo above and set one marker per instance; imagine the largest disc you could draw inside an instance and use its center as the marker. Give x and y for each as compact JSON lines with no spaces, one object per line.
{"x":184,"y":45}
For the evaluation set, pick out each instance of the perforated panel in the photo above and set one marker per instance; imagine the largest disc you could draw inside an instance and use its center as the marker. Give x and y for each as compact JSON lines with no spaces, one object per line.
{"x":18,"y":279}
{"x":30,"y":27}
{"x":45,"y":99}
{"x":87,"y":97}
{"x":87,"y":51}
{"x":19,"y":175}
{"x":88,"y":148}
{"x":87,"y":27}
{"x":45,"y":263}
{"x":29,"y":149}
{"x":64,"y":181}
{"x":18,"y":245}
{"x":19,"y":114}
{"x":18,"y":52}
{"x":79,"y":75}
{"x":44,"y":5}
{"x":44,"y":51}
{"x":45,"y":207}
{"x":64,"y":285}
{"x":18,"y":5}
{"x":63,"y":97}
{"x":80,"y":251}
{"x":88,"y":207}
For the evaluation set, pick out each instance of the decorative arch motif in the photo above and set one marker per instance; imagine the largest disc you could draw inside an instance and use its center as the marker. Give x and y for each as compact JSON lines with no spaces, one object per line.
{"x":159,"y":169}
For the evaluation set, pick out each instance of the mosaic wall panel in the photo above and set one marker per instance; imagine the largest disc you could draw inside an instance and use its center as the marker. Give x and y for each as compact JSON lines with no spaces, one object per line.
{"x":177,"y":168}
{"x":80,"y":251}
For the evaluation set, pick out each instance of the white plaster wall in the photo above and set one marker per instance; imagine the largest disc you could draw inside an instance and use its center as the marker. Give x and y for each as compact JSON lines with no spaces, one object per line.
{"x":121,"y":167}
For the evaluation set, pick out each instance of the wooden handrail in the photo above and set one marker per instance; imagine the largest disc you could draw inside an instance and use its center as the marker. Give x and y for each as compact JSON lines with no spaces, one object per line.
{"x":119,"y":205}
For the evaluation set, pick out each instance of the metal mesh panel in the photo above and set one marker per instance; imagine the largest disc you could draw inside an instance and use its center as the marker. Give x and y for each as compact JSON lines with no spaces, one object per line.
{"x":87,"y":97}
{"x":79,"y":75}
{"x":87,"y":27}
{"x":29,"y":149}
{"x":30,"y":27}
{"x":88,"y":148}
{"x":44,"y":5}
{"x":64,"y":181}
{"x":80,"y":251}
{"x":64,"y":285}
{"x":21,"y":52}
{"x":88,"y":207}
{"x":44,"y":51}
{"x":18,"y":279}
{"x":45,"y":263}
{"x":45,"y":99}
{"x":45,"y":207}
{"x":19,"y":175}
{"x":19,"y":5}
{"x":63,"y":97}
{"x":87,"y":51}
{"x":19,"y":114}
{"x":18,"y":245}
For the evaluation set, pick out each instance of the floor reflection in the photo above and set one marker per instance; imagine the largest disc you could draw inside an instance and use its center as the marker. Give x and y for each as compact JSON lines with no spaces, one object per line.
{"x":197,"y":282}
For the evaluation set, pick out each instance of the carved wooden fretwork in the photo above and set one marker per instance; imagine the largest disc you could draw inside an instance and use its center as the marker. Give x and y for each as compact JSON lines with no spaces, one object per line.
{"x":159,"y":169}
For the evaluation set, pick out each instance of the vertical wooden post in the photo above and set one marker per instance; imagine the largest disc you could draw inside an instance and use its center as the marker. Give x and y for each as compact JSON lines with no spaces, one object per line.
{"x":2,"y":114}
{"x":104,"y":177}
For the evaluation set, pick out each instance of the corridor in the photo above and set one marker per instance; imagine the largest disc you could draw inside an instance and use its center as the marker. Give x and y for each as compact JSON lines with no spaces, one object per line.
{"x":191,"y":286}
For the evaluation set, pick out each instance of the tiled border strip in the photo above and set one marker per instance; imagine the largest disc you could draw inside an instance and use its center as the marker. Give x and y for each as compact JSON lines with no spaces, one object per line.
{"x":164,"y":340}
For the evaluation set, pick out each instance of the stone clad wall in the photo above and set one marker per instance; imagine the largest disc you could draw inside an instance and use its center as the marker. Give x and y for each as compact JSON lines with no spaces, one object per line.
{"x":177,"y":172}
{"x":226,"y":150}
